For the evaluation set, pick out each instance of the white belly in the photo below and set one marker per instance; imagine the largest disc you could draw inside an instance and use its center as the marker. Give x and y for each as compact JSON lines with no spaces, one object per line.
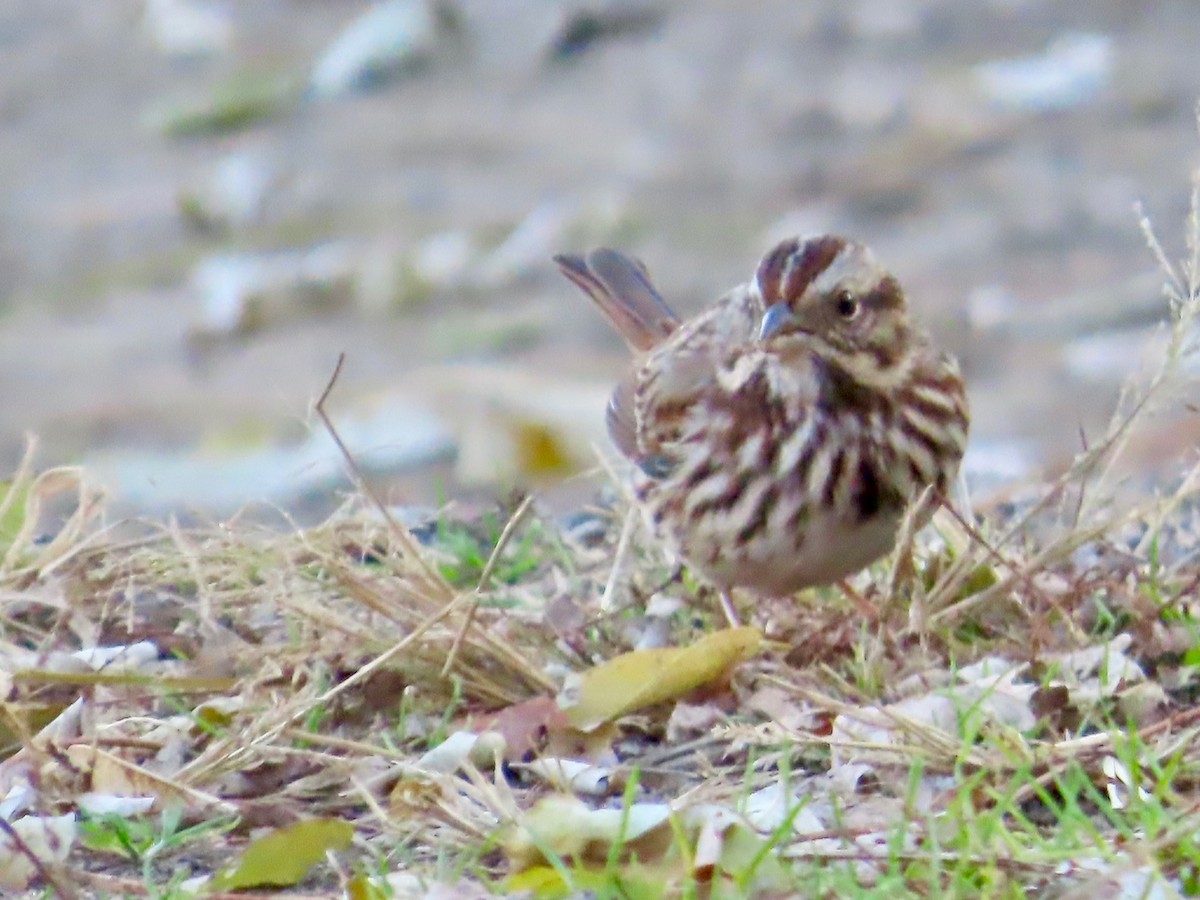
{"x":829,"y":549}
{"x":780,"y":558}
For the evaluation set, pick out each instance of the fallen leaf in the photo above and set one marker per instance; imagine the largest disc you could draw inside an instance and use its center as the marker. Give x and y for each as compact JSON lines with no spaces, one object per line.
{"x":566,"y":828}
{"x":48,"y":839}
{"x":726,"y":844}
{"x":574,"y":776}
{"x":283,"y":857}
{"x":512,"y":423}
{"x":111,"y":773}
{"x":643,"y":678}
{"x":561,"y":847}
{"x":691,"y":720}
{"x":524,"y":726}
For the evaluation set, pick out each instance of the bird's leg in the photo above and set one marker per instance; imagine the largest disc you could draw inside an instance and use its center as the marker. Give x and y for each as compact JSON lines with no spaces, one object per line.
{"x":728,"y":608}
{"x":864,"y":606}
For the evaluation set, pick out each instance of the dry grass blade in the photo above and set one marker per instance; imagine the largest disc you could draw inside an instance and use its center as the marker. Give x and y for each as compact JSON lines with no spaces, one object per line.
{"x":24,"y":499}
{"x":510,"y":529}
{"x":1087,"y":480}
{"x":412,"y":551}
{"x":435,"y":587}
{"x":620,"y":558}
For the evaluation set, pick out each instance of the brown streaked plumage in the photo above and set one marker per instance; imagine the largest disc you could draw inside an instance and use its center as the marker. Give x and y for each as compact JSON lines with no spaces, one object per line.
{"x":779,"y":436}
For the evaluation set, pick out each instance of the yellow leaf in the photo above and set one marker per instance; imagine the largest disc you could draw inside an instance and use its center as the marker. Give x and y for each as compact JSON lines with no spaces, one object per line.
{"x":284,"y":857}
{"x":361,"y":888}
{"x":540,"y":451}
{"x":19,"y":721}
{"x":642,"y":678}
{"x":546,"y":882}
{"x":126,"y":679}
{"x":632,"y":881}
{"x":12,"y":510}
{"x":568,"y":828}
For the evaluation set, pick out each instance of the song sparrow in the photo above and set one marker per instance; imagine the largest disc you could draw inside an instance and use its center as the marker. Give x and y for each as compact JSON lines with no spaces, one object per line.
{"x":779,"y":437}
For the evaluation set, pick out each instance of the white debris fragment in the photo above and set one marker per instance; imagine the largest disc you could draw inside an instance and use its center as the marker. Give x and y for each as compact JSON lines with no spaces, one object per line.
{"x":572,"y":775}
{"x":389,"y":38}
{"x":1073,"y":67}
{"x":241,"y":292}
{"x":187,"y":29}
{"x":47,"y":839}
{"x":122,"y":657}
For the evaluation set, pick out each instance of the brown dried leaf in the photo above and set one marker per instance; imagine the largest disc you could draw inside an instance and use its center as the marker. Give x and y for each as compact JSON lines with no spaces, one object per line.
{"x":525,"y":726}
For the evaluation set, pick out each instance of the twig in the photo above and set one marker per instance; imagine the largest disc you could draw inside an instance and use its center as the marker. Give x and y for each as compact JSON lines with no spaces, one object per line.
{"x":510,"y":528}
{"x":619,"y":556}
{"x":401,"y":535}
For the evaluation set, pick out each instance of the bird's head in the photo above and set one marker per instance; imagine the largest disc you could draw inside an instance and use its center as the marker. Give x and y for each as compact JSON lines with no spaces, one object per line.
{"x":828,"y":295}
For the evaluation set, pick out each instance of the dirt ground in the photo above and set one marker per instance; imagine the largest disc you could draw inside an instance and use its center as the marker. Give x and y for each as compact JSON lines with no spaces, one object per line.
{"x":710,"y":127}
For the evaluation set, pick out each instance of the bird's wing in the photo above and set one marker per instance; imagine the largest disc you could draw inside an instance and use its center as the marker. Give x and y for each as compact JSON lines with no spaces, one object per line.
{"x":680,"y":372}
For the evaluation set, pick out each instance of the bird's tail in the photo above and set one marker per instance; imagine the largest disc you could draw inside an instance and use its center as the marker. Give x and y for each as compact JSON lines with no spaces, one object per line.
{"x":621,"y":287}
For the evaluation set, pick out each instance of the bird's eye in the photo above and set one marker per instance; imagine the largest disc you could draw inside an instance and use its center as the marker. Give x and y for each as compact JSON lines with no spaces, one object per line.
{"x":846,"y":305}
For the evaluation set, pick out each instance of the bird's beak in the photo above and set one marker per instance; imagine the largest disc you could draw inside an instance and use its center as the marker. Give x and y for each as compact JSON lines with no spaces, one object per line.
{"x":776,"y":316}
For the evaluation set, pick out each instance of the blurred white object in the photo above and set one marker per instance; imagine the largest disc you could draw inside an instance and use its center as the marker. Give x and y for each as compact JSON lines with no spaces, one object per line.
{"x":30,"y":843}
{"x":234,"y":192}
{"x":20,"y":797}
{"x":394,"y":273}
{"x":572,"y":775}
{"x":242,"y":292}
{"x":390,"y":437}
{"x":119,"y":658}
{"x":239,"y":185}
{"x":991,"y":463}
{"x":560,"y":221}
{"x":990,"y":306}
{"x":1110,"y":357}
{"x":530,"y":243}
{"x":443,"y":258}
{"x":98,"y":804}
{"x":1073,"y":68}
{"x":388,"y":38}
{"x":185,"y":29}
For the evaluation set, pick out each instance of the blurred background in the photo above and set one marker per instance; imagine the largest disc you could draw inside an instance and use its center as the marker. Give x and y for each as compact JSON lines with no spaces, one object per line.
{"x":202,"y":203}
